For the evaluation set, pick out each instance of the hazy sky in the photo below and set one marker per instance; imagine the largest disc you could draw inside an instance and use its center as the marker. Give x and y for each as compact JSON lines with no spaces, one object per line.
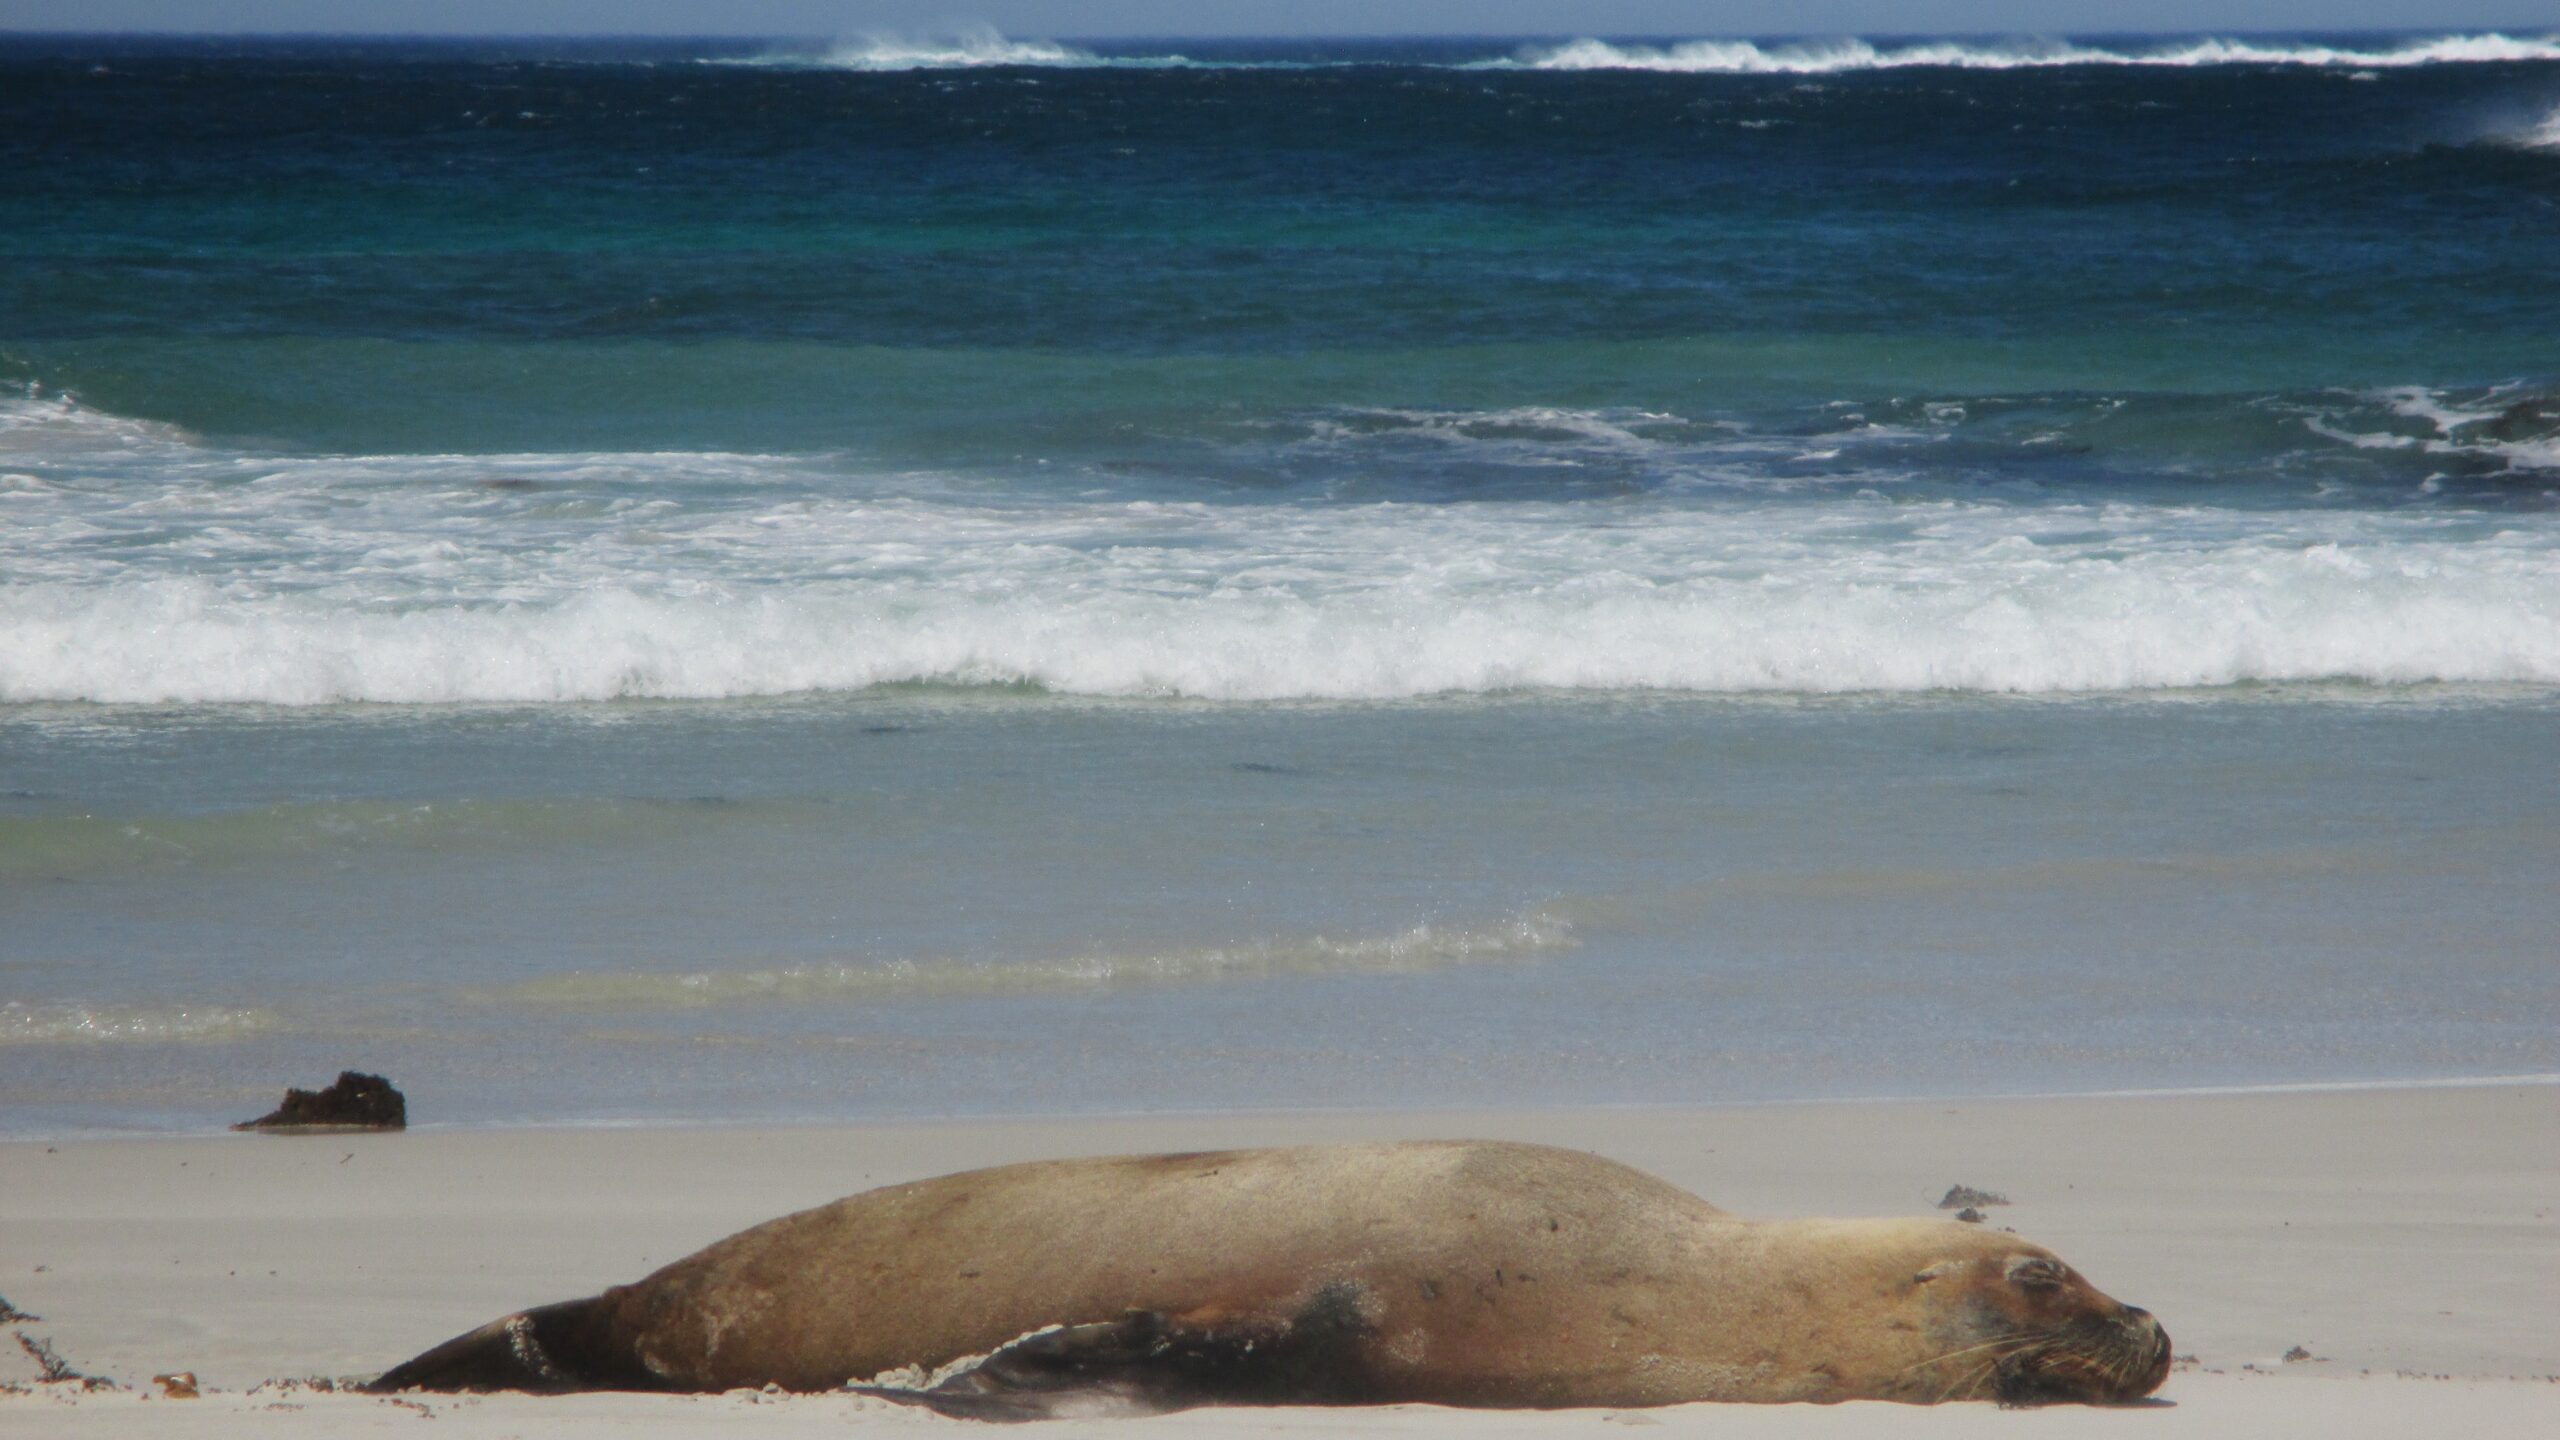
{"x":1041,"y":18}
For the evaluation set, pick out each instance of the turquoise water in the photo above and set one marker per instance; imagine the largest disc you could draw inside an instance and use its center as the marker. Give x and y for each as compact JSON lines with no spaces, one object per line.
{"x":669,"y":581}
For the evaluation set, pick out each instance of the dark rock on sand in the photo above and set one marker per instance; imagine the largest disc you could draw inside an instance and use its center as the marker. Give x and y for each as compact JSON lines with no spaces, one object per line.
{"x":1964,"y":1197}
{"x":357,"y":1102}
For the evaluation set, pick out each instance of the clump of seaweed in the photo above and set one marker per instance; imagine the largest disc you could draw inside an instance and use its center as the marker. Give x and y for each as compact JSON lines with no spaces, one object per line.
{"x":52,"y":1369}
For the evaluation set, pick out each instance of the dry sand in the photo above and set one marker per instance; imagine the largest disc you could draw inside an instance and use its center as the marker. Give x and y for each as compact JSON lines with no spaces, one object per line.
{"x":2408,"y":1240}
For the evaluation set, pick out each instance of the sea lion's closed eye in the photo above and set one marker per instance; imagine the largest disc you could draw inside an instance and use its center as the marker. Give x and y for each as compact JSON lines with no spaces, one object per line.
{"x":2034,"y":1272}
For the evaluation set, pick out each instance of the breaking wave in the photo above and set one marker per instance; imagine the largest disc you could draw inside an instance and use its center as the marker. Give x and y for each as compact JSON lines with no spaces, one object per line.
{"x":1984,"y":605}
{"x":970,"y":48}
{"x":1824,"y":57}
{"x":1424,"y":947}
{"x":980,"y":47}
{"x":146,"y":569}
{"x":976,"y":47}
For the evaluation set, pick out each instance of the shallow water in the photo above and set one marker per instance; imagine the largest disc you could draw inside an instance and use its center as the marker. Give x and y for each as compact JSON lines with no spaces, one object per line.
{"x":954,"y":903}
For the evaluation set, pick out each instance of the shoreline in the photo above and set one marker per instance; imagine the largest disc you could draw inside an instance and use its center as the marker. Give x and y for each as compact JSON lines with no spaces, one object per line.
{"x":2390,"y":1233}
{"x":682,"y":1124}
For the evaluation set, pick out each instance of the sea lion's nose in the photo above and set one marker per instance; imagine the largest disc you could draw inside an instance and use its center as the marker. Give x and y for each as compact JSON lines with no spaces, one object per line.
{"x":2156,"y":1370}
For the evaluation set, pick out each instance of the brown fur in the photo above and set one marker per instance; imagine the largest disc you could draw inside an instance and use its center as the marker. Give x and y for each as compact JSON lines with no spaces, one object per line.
{"x":1461,"y":1273}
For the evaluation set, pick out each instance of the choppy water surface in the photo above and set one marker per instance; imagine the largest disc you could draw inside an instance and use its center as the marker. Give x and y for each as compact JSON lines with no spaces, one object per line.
{"x":998,"y":574}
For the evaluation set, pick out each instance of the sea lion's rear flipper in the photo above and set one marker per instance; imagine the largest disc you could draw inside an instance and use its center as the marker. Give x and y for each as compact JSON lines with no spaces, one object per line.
{"x":1146,"y":1363}
{"x":549,"y":1350}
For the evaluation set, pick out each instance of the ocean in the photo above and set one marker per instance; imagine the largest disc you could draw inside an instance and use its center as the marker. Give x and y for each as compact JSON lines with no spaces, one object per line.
{"x":657,"y":581}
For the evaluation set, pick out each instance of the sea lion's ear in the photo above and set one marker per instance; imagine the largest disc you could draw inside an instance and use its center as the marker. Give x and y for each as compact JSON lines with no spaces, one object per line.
{"x":1942,"y":1268}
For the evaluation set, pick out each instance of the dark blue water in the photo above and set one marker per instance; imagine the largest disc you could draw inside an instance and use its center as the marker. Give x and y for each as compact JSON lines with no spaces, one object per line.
{"x":472,"y":247}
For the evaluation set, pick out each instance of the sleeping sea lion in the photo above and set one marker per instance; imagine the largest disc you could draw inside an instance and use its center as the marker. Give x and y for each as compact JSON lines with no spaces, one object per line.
{"x":1444,"y":1272}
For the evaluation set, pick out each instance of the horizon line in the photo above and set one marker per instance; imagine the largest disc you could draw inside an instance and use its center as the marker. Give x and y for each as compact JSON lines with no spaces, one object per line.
{"x":933,"y":33}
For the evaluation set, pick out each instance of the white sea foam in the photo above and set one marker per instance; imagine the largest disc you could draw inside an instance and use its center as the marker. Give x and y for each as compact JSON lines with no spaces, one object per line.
{"x":74,"y":1022}
{"x":1423,"y":947}
{"x":1823,"y":57}
{"x":194,"y":575}
{"x":970,"y":47}
{"x":980,"y":46}
{"x":2504,"y":423}
{"x":1373,"y":603}
{"x":2544,"y":134}
{"x":38,"y":427}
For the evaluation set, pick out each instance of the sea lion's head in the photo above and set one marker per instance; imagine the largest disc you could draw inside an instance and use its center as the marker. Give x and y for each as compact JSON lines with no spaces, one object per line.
{"x":2009,"y":1321}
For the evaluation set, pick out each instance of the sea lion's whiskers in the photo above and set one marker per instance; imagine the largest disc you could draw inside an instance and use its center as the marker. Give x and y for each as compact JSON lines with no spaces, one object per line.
{"x":1960,"y":1353}
{"x":2043,"y":1352}
{"x":2132,"y":1358}
{"x":1971,"y":1381}
{"x":1971,"y":1378}
{"x":1968,"y":1382}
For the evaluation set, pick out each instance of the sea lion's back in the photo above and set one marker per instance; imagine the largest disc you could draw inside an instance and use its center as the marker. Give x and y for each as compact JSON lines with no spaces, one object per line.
{"x":930,"y":1271}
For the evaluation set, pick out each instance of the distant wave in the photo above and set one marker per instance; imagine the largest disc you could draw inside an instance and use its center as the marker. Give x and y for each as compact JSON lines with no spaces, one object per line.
{"x":1823,"y":57}
{"x":974,"y":47}
{"x":969,"y":48}
{"x":978,"y":47}
{"x":1423,"y":947}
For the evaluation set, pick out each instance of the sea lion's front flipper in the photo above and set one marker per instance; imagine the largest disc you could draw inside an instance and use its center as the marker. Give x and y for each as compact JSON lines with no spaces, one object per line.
{"x":1146,"y":1363}
{"x":1113,"y":1368}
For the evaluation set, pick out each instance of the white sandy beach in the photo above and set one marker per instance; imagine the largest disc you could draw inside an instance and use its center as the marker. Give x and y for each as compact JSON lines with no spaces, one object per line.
{"x":2408,"y":1240}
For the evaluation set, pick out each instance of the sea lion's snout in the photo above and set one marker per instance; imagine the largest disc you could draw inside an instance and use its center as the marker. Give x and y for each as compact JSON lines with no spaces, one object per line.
{"x":2154,"y":1341}
{"x":2094,"y":1360}
{"x":2060,"y":1339}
